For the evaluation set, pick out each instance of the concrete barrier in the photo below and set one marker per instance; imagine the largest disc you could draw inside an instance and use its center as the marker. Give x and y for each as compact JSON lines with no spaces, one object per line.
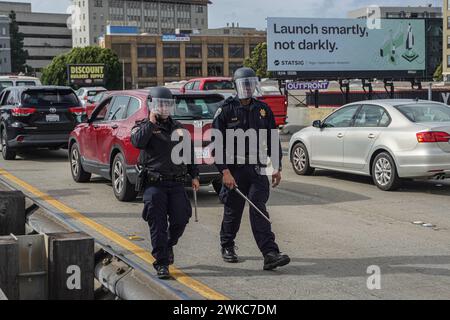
{"x":300,"y":117}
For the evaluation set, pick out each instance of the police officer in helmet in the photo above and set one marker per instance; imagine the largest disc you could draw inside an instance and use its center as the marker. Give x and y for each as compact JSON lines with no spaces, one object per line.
{"x":167,"y":208}
{"x":247,"y":113}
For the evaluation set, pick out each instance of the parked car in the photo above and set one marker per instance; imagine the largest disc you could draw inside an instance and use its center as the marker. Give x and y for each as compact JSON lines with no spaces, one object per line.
{"x":84,"y":94}
{"x":387,"y":139}
{"x":93,"y":102}
{"x":102,"y":145}
{"x":270,"y":95}
{"x":37,"y":117}
{"x":17,"y":81}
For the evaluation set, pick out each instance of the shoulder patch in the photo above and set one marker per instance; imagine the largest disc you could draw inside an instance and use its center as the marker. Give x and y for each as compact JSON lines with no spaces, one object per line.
{"x":135,"y":130}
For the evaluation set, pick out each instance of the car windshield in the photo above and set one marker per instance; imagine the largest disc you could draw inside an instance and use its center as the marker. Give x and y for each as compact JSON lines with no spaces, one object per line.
{"x":425,"y":112}
{"x":53,"y":97}
{"x":219,"y":85}
{"x":193,"y":108}
{"x":97,"y":97}
{"x":26,"y":83}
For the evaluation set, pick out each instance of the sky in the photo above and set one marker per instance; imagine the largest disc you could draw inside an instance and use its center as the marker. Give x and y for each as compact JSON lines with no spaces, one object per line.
{"x":253,"y":13}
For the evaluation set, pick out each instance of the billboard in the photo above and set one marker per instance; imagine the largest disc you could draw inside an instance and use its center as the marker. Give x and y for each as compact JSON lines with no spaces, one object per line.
{"x":86,"y":74}
{"x":337,"y":48}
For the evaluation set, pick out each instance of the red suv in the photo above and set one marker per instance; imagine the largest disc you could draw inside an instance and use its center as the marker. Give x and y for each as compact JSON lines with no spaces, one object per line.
{"x":103,"y":146}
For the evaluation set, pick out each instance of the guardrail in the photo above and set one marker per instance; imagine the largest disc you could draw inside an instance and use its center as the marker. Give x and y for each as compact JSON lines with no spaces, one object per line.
{"x":119,"y":275}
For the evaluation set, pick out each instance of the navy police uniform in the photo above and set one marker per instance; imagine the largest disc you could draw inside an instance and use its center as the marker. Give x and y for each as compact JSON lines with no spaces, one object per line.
{"x":167,"y":208}
{"x":258,"y":116}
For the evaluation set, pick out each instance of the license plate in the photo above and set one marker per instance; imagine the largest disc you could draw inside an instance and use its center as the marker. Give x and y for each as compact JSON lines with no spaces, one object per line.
{"x":52,"y":118}
{"x":203,"y":153}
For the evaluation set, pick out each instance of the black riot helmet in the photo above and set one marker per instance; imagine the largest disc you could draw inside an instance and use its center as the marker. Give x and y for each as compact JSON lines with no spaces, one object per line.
{"x":246,"y":82}
{"x":161,"y":102}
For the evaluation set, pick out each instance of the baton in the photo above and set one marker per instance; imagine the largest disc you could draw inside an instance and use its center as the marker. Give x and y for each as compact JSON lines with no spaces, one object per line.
{"x":252,"y":204}
{"x":195,"y":206}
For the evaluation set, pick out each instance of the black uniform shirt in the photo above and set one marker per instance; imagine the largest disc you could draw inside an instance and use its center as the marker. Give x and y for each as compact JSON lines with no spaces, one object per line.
{"x":233,"y":116}
{"x":156,"y":145}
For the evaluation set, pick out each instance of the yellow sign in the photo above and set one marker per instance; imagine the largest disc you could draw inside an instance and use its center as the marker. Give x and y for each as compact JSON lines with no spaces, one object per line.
{"x":86,"y":74}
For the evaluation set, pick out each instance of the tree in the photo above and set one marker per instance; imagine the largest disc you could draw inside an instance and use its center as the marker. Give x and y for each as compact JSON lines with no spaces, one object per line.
{"x":19,"y":56}
{"x":56,"y":72}
{"x":258,"y":61}
{"x":438,"y":73}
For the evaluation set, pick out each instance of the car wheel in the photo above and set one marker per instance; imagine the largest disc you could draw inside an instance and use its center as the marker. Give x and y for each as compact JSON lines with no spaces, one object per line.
{"x":300,"y":160}
{"x":217,"y":185}
{"x":7,"y":152}
{"x":384,"y":172}
{"x":123,"y":189}
{"x":78,"y":173}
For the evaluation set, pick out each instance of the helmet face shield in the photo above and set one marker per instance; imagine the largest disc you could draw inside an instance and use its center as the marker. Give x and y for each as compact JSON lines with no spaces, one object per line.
{"x":246,"y":87}
{"x":162,"y":107}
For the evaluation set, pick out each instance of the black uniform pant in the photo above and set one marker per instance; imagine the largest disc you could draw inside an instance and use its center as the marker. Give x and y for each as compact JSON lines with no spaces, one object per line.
{"x":257,"y":188}
{"x":167,"y":210}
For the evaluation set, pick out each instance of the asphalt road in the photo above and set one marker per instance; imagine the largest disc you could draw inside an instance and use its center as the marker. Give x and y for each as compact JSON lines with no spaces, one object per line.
{"x":334,"y":226}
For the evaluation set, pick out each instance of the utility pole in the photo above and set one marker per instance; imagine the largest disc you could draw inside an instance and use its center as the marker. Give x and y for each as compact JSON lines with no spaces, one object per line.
{"x":123,"y":74}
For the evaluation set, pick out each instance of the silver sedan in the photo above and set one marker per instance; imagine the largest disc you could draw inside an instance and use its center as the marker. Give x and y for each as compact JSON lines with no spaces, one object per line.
{"x":386,"y":139}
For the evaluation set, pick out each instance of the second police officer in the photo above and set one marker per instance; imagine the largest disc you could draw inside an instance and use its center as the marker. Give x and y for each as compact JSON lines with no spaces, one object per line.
{"x":245,"y":113}
{"x":167,"y":208}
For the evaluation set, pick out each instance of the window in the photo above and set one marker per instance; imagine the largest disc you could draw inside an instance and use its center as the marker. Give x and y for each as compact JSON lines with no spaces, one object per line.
{"x":233,"y":67}
{"x":54,"y":97}
{"x":189,"y":86}
{"x":196,"y":85}
{"x":372,"y":117}
{"x":146,"y":70}
{"x":194,"y":51}
{"x":218,"y":85}
{"x":133,"y":107}
{"x":215,"y":50}
{"x":236,"y":50}
{"x":192,"y":108}
{"x":171,"y":70}
{"x":171,"y":51}
{"x":342,"y":118}
{"x":118,"y":109}
{"x":146,"y":51}
{"x":194,"y":69}
{"x":215,"y":69}
{"x":448,"y":61}
{"x":122,"y":50}
{"x":425,"y":112}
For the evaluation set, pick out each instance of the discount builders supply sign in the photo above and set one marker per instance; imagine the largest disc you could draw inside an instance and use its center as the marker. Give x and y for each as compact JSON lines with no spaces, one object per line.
{"x":86,"y":74}
{"x":301,"y":44}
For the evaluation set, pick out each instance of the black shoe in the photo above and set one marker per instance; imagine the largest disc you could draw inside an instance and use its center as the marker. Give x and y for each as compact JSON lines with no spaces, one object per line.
{"x":229,"y":255}
{"x":171,"y":256}
{"x":274,"y":260}
{"x":163,"y":272}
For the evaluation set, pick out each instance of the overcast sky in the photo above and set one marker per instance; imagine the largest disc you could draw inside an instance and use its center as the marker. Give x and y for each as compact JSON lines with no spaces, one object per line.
{"x":252,"y":13}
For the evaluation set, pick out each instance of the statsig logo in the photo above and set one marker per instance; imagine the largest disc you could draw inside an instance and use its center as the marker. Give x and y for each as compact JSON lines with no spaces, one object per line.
{"x":289,"y":63}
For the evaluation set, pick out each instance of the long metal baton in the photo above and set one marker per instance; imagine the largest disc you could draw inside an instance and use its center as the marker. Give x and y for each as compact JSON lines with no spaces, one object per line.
{"x":252,"y":204}
{"x":195,"y":206}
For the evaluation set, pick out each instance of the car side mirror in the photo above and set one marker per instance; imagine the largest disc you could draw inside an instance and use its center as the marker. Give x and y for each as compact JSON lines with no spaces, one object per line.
{"x":317,"y":124}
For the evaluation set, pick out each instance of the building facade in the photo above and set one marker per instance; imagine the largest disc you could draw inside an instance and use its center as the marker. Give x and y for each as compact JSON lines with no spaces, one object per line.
{"x":150,"y":61}
{"x":433,"y":17}
{"x":46,"y":34}
{"x":150,"y":16}
{"x":446,"y":40}
{"x":5,"y":46}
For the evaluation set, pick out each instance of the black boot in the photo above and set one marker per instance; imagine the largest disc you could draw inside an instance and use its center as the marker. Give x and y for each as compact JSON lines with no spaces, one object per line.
{"x":229,"y":255}
{"x":171,"y":256}
{"x":163,"y":272}
{"x":274,"y":260}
